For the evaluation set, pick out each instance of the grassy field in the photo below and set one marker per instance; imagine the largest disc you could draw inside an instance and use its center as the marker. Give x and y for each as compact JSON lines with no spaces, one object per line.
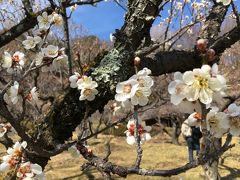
{"x":158,"y":153}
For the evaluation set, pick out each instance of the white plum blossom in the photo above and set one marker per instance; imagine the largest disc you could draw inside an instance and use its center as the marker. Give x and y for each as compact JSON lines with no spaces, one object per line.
{"x":13,"y":156}
{"x":39,"y":58}
{"x":141,"y":96}
{"x":88,"y":88}
{"x":73,"y":80}
{"x":12,"y":93}
{"x":8,"y":162}
{"x":16,"y":60}
{"x":126,"y":90}
{"x":17,"y":148}
{"x":29,"y":171}
{"x":216,"y":123}
{"x":60,"y":61}
{"x":44,"y":21}
{"x":137,"y":88}
{"x":177,"y":88}
{"x":7,"y":60}
{"x":50,"y":51}
{"x":143,"y":78}
{"x":57,"y":19}
{"x":225,"y":2}
{"x":142,"y":130}
{"x":31,"y":42}
{"x":88,"y":93}
{"x":201,"y":85}
{"x":144,"y":87}
{"x":233,"y":112}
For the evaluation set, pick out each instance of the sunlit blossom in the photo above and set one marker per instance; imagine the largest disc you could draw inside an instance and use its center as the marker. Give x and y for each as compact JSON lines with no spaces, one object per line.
{"x":16,"y":60}
{"x":12,"y":93}
{"x":60,"y":61}
{"x":177,"y":88}
{"x":29,"y":171}
{"x":50,"y":51}
{"x":216,"y":123}
{"x":88,"y":88}
{"x":31,"y":42}
{"x":201,"y":85}
{"x":126,"y":90}
{"x":44,"y":21}
{"x":57,"y":19}
{"x":73,"y":80}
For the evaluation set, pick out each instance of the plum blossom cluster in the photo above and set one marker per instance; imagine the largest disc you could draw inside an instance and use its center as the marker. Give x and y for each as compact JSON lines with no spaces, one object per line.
{"x":86,"y":85}
{"x":200,"y":84}
{"x":45,"y":20}
{"x":15,"y":160}
{"x":137,"y":88}
{"x":12,"y":94}
{"x":53,"y":55}
{"x":219,"y":123}
{"x":50,"y":54}
{"x":13,"y":62}
{"x":142,"y":131}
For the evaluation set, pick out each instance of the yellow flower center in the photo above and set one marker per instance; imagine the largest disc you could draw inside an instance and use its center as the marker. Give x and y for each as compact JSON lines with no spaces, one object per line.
{"x":235,"y":121}
{"x":51,"y":52}
{"x":141,"y":82}
{"x":16,"y":58}
{"x":87,"y":92}
{"x":18,"y":153}
{"x":213,"y":122}
{"x":25,"y":169}
{"x":127,"y":88}
{"x":12,"y":162}
{"x":200,"y":82}
{"x":139,"y":93}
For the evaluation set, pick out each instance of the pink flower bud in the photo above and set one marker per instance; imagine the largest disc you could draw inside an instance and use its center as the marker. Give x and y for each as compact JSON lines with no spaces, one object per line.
{"x":202,"y":44}
{"x":137,"y":61}
{"x":210,"y":54}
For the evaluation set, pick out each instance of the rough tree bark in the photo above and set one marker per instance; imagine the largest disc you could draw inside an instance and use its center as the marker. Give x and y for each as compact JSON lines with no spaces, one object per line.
{"x":116,"y":66}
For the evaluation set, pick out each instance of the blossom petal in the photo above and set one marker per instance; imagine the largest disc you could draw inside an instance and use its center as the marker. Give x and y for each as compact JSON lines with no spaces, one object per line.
{"x":205,"y":96}
{"x":131,"y":140}
{"x":188,"y":77}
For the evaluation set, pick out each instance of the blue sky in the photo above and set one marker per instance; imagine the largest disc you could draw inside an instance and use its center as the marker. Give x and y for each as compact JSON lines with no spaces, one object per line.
{"x":101,"y":20}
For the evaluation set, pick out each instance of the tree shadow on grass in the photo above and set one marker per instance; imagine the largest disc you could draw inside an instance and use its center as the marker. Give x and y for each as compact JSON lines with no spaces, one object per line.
{"x":87,"y":173}
{"x":234,"y":173}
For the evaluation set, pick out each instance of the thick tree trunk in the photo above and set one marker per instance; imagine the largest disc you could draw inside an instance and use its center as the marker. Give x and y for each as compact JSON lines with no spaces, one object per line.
{"x":211,"y":167}
{"x":114,"y":67}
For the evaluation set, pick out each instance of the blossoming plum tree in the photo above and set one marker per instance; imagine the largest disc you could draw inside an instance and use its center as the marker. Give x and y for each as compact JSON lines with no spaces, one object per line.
{"x":124,"y":74}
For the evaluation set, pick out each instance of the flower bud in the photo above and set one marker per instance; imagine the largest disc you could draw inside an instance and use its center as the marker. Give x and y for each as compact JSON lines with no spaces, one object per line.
{"x":202,"y":44}
{"x":210,"y":54}
{"x":137,"y":61}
